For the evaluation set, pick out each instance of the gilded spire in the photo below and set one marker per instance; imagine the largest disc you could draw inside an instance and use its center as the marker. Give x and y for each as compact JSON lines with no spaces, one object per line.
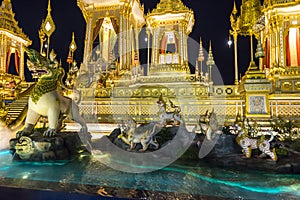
{"x":234,"y":10}
{"x":210,"y":59}
{"x":234,"y":19}
{"x":73,"y":45}
{"x":201,"y":54}
{"x":47,"y":27}
{"x":49,"y":7}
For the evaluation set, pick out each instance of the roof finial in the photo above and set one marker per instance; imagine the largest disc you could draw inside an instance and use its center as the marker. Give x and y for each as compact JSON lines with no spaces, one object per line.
{"x":234,"y":10}
{"x":201,"y":54}
{"x":49,"y":7}
{"x":210,"y":61}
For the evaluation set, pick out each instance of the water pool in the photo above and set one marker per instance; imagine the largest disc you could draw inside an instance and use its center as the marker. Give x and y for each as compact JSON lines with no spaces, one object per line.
{"x":180,"y":179}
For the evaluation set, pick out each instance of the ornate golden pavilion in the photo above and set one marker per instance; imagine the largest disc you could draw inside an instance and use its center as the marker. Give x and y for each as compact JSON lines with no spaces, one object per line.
{"x":12,"y":40}
{"x":113,"y":83}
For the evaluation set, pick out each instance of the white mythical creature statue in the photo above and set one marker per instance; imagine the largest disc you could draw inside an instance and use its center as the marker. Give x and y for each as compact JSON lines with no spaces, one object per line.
{"x":208,"y":124}
{"x":168,"y":112}
{"x":133,"y":135}
{"x":46,"y":99}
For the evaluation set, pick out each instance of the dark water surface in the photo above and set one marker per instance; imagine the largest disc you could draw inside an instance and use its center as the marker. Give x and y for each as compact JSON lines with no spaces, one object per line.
{"x":182,"y":180}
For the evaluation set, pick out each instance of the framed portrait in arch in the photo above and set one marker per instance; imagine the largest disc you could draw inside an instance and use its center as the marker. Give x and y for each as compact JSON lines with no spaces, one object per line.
{"x":257,"y":104}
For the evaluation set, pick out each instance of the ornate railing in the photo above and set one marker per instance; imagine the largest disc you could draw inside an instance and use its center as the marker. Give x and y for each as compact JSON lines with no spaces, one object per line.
{"x":146,"y":111}
{"x":288,"y":108}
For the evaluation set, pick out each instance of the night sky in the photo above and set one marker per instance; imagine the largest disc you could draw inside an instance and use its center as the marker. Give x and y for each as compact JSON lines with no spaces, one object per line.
{"x":211,"y":23}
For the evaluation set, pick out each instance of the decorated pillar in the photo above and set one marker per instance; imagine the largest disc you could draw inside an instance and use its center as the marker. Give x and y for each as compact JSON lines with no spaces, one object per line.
{"x":3,"y":55}
{"x":87,"y":44}
{"x":181,"y":52}
{"x":121,"y":52}
{"x":21,"y":65}
{"x":148,"y":51}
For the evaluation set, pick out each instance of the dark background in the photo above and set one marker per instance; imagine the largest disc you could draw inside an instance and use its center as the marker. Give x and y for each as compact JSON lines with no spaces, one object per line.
{"x":211,"y":23}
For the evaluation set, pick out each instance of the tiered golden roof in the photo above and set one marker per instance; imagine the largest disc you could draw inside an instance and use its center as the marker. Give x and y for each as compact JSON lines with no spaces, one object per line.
{"x":172,"y":11}
{"x":169,"y":6}
{"x":8,"y":22}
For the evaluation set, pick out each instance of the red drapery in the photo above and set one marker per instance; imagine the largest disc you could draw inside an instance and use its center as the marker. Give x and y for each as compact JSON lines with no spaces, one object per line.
{"x":288,"y":55}
{"x":164,"y":44}
{"x":17,"y":61}
{"x":114,"y":24}
{"x":298,"y":46}
{"x":96,"y":30}
{"x":266,"y":60}
{"x":7,"y":60}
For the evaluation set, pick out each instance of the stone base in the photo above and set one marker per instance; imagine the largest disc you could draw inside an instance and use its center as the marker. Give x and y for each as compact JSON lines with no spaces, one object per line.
{"x":64,"y":146}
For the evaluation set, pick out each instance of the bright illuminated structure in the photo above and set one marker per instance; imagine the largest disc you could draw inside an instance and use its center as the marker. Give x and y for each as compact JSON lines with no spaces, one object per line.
{"x":170,"y":23}
{"x":115,"y":24}
{"x":126,"y":89}
{"x":12,"y":40}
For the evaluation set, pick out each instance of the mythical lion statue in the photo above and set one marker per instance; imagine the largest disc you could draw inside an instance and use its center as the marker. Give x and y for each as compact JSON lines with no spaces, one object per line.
{"x":247,"y":144}
{"x":46,"y":99}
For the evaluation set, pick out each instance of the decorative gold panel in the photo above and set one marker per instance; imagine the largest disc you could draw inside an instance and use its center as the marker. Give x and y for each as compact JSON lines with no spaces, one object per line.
{"x":297,"y":86}
{"x":286,"y":86}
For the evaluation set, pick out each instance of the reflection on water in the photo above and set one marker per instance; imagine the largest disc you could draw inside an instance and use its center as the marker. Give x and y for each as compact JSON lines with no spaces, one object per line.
{"x":6,"y":135}
{"x":187,"y":178}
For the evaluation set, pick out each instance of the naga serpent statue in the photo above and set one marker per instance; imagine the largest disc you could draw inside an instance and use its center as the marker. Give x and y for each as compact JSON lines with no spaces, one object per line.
{"x":46,"y":99}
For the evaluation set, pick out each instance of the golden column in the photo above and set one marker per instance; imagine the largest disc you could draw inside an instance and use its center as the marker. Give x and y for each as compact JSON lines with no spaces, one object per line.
{"x":21,"y":65}
{"x":148,"y":51}
{"x":234,"y":32}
